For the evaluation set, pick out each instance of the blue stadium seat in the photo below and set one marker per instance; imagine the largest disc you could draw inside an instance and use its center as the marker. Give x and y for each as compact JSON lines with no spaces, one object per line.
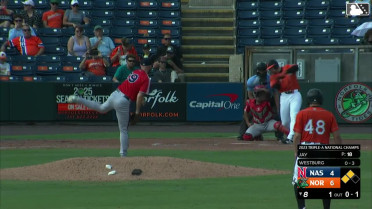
{"x":101,"y":21}
{"x":147,"y":23}
{"x":70,"y":68}
{"x":110,"y":71}
{"x":147,"y":14}
{"x":103,"y":5}
{"x":170,"y":22}
{"x":85,"y":4}
{"x":147,"y":4}
{"x":317,"y":5}
{"x":315,"y":14}
{"x":120,"y":32}
{"x":126,"y":5}
{"x":300,"y":41}
{"x":41,"y":4}
{"x":249,"y":24}
{"x":335,"y":13}
{"x":296,"y":23}
{"x":293,"y":5}
{"x":272,"y":23}
{"x":55,"y":50}
{"x":346,"y":22}
{"x":143,"y":32}
{"x":271,"y":14}
{"x":276,"y":42}
{"x":100,"y":79}
{"x":325,"y":41}
{"x":104,"y":13}
{"x":23,"y":59}
{"x":169,"y":14}
{"x":293,"y":14}
{"x":337,"y":4}
{"x":321,"y":22}
{"x":49,"y":40}
{"x":123,"y":22}
{"x":316,"y":32}
{"x":64,"y":4}
{"x":6,"y":78}
{"x":76,"y":78}
{"x":174,"y":41}
{"x":48,"y":69}
{"x":250,"y":42}
{"x":249,"y":32}
{"x":127,"y":14}
{"x":150,"y":41}
{"x":22,"y":69}
{"x":341,"y":32}
{"x":175,"y":32}
{"x":32,"y":78}
{"x":15,"y":4}
{"x":271,"y":33}
{"x":248,"y":14}
{"x":294,"y":32}
{"x":53,"y":78}
{"x":169,"y":5}
{"x":71,"y":60}
{"x":50,"y":32}
{"x":247,"y":5}
{"x":48,"y":59}
{"x":350,"y":41}
{"x":4,"y":32}
{"x":68,"y":32}
{"x":87,"y":13}
{"x":270,"y":5}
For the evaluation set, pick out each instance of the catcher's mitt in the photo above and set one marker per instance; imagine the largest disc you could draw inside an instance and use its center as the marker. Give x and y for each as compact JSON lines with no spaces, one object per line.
{"x":133,"y":118}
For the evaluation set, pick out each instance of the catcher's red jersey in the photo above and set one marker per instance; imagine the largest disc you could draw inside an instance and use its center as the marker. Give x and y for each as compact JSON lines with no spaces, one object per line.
{"x":137,"y":81}
{"x":287,"y":81}
{"x":261,"y":112}
{"x":315,"y":125}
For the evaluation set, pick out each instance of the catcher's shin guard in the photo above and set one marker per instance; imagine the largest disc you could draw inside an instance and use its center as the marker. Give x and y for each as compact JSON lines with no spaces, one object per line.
{"x":278,"y":126}
{"x":247,"y":137}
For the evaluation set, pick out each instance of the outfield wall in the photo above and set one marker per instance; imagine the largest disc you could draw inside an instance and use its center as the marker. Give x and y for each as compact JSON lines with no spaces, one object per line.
{"x":178,"y":102}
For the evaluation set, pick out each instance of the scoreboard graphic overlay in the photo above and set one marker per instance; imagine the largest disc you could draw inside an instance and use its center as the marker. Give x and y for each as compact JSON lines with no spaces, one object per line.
{"x":328,"y":172}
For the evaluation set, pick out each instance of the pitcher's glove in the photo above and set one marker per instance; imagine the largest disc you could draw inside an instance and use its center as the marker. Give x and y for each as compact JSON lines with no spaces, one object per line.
{"x":134,"y":118}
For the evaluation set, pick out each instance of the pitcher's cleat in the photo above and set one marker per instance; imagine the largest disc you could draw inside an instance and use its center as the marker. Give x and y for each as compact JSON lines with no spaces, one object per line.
{"x":72,"y":99}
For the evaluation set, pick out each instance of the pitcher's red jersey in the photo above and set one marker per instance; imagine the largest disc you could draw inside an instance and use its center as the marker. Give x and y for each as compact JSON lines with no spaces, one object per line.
{"x":137,"y":81}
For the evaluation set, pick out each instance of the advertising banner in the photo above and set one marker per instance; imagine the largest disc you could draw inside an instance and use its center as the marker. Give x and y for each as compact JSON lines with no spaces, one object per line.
{"x":215,"y":101}
{"x":165,"y":102}
{"x":98,"y":92}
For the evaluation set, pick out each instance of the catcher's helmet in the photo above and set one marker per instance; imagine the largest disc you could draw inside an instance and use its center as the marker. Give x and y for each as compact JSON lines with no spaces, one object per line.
{"x":314,"y":96}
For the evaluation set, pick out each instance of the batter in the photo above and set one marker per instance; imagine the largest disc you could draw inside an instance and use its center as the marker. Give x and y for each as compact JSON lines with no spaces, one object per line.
{"x":133,"y":89}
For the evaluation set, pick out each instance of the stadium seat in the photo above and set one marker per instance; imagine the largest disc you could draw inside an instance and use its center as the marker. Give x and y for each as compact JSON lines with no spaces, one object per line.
{"x":127,"y":14}
{"x":100,"y":79}
{"x":85,"y":4}
{"x":71,"y":60}
{"x":87,"y":13}
{"x":271,"y":14}
{"x":272,"y":23}
{"x":49,"y":40}
{"x":325,"y":41}
{"x":270,"y":5}
{"x":169,"y":14}
{"x":41,"y":4}
{"x":315,"y":14}
{"x":169,"y":22}
{"x":75,"y":78}
{"x":55,"y":50}
{"x":169,"y":5}
{"x":48,"y":59}
{"x":64,"y":4}
{"x":350,"y":41}
{"x":110,"y":71}
{"x":317,"y":5}
{"x":300,"y":41}
{"x":294,"y":32}
{"x":337,"y":4}
{"x":271,"y":33}
{"x":104,"y":13}
{"x":4,"y":32}
{"x":341,"y":32}
{"x":150,"y":41}
{"x":147,"y":14}
{"x":249,"y":24}
{"x":119,"y":32}
{"x":123,"y":22}
{"x":15,"y":4}
{"x":32,"y":78}
{"x":321,"y":22}
{"x":250,"y":42}
{"x":53,"y":78}
{"x":147,"y":23}
{"x":143,"y":32}
{"x":293,"y":14}
{"x":276,"y":42}
{"x":335,"y":13}
{"x":247,"y":5}
{"x":23,"y":59}
{"x":293,"y":5}
{"x":7,"y":78}
{"x":147,"y":4}
{"x":175,"y":32}
{"x":346,"y":22}
{"x":50,"y":32}
{"x":22,"y":70}
{"x":249,"y":32}
{"x":315,"y":32}
{"x":101,"y":21}
{"x":248,"y":14}
{"x":70,"y":68}
{"x":103,"y":5}
{"x":296,"y":23}
{"x":126,"y":5}
{"x":174,"y":41}
{"x":48,"y":69}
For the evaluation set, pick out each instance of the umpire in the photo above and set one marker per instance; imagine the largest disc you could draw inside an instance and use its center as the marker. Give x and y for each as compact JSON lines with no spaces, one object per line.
{"x":261,"y":78}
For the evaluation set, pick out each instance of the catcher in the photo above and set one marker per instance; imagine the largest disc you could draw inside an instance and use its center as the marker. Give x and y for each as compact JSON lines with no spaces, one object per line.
{"x":262,"y":115}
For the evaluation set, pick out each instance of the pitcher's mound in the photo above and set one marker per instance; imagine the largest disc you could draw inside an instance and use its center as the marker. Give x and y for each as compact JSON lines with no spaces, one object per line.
{"x":153,"y":168}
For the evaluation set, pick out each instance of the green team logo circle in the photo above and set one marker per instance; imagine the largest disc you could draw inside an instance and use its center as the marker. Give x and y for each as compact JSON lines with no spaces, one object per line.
{"x":354,"y":102}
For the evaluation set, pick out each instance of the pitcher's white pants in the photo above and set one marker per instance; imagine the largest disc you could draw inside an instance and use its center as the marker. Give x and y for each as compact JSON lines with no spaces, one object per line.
{"x":290,"y":105}
{"x":121,"y":105}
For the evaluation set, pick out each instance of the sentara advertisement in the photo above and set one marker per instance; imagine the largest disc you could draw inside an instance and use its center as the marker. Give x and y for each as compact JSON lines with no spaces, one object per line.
{"x":215,"y":102}
{"x":98,"y":92}
{"x":165,"y":102}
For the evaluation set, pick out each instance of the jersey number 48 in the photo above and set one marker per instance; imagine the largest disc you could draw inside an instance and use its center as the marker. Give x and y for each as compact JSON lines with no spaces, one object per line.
{"x":319,"y":127}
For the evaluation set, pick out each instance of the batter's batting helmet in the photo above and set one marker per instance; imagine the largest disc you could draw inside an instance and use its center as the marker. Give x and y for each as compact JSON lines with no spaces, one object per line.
{"x":314,"y":96}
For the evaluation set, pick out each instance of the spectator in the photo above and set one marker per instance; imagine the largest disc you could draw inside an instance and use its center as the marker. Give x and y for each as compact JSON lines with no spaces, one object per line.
{"x":175,"y":64}
{"x":118,"y":55}
{"x":163,"y":75}
{"x":54,"y":17}
{"x":104,"y":44}
{"x":94,"y":64}
{"x":123,"y":71}
{"x":29,"y":14}
{"x":146,"y":52}
{"x":26,"y":44}
{"x":5,"y":14}
{"x":162,"y":49}
{"x":17,"y":30}
{"x":74,"y":17}
{"x":78,"y":45}
{"x":4,"y":66}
